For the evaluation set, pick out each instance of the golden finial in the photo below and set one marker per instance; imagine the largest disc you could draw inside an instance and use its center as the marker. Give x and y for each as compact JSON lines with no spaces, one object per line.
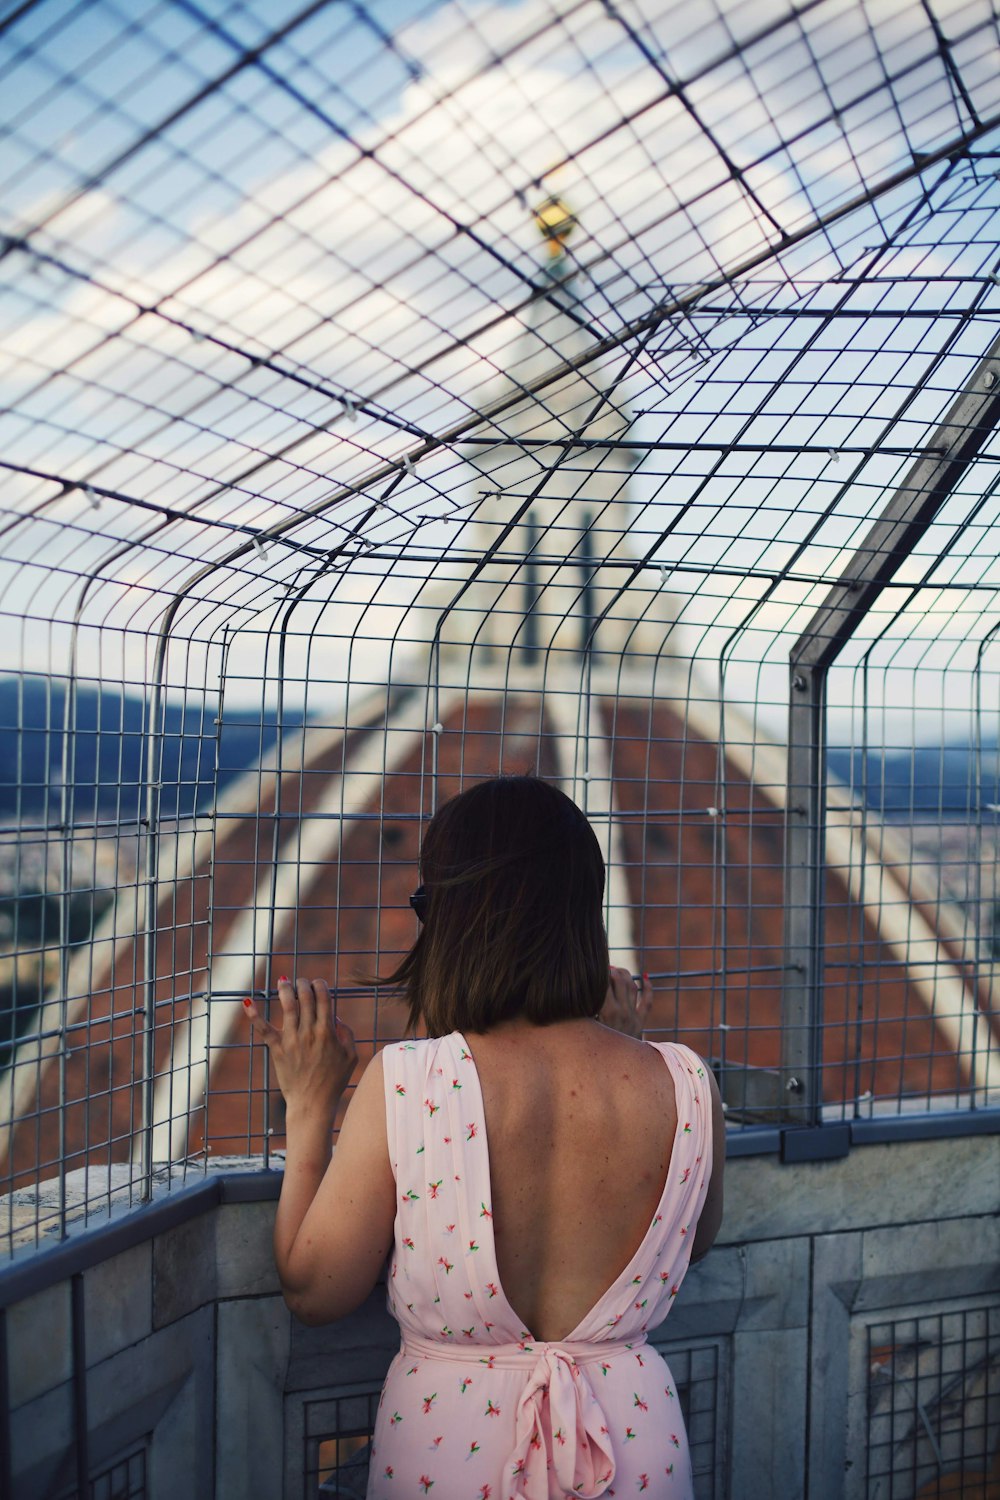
{"x":555,"y":223}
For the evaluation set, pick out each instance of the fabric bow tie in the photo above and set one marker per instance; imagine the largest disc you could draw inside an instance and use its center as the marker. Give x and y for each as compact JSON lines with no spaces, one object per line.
{"x":561,"y":1440}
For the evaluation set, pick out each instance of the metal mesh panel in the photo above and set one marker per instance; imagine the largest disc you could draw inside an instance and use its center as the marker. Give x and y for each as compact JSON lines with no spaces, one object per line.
{"x":396,"y":396}
{"x":124,"y":1480}
{"x":701,"y":1391}
{"x":933,"y":1404}
{"x":338,"y":1432}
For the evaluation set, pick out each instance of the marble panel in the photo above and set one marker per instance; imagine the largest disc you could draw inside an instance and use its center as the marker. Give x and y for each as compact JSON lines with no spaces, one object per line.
{"x":184,"y":1269}
{"x":244,"y":1254}
{"x":39,"y":1343}
{"x":836,"y":1279}
{"x":118,"y":1302}
{"x":902,"y":1182}
{"x":41,"y":1443}
{"x":768,"y":1434}
{"x":950,"y":1258}
{"x":253,"y":1354}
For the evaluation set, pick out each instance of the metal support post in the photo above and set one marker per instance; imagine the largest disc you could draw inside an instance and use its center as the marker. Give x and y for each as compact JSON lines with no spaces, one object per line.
{"x":805,"y":869}
{"x":932,"y":478}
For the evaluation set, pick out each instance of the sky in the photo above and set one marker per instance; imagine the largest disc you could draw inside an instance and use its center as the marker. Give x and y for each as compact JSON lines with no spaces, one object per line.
{"x":261,"y":254}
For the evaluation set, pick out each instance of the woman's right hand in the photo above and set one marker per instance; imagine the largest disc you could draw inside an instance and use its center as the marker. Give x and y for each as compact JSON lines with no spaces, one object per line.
{"x":312,"y":1053}
{"x":627,"y":1004}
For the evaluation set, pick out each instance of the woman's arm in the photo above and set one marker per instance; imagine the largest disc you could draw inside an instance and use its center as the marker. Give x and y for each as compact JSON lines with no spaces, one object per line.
{"x":346,"y":1232}
{"x":711,"y":1214}
{"x":334,"y":1223}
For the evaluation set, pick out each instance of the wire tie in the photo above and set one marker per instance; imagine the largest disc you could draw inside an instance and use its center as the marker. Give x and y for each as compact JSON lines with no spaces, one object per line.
{"x":833,"y":455}
{"x":664,"y":576}
{"x":259,"y":548}
{"x":723,"y":1026}
{"x":350,"y":408}
{"x":93,"y":498}
{"x":713,"y":812}
{"x":437,"y":728}
{"x":407,"y":463}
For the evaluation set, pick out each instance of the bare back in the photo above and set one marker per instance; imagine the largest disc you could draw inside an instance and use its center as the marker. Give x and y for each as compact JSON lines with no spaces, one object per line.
{"x":581,"y":1123}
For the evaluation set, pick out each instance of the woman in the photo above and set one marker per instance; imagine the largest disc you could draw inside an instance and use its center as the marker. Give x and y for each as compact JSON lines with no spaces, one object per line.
{"x":542,"y":1179}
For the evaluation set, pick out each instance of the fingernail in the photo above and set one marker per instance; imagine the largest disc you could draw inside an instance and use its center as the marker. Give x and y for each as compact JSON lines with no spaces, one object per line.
{"x":645,"y":976}
{"x":248,"y":1003}
{"x":282,"y":978}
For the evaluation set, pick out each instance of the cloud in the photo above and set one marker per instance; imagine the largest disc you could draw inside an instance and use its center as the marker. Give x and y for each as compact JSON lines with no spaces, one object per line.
{"x":411,"y":245}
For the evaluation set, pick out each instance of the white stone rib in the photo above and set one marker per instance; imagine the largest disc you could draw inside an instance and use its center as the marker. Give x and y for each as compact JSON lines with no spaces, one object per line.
{"x":182,"y":1088}
{"x":869,"y":860}
{"x":582,"y":758}
{"x":118,"y":930}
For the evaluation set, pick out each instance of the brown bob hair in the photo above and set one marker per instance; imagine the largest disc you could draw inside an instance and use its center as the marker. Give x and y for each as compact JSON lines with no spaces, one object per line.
{"x":514,"y":881}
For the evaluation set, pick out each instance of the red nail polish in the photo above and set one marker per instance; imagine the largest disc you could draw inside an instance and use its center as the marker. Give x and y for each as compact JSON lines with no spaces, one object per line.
{"x":248,"y":1002}
{"x":282,"y":978}
{"x":645,"y":976}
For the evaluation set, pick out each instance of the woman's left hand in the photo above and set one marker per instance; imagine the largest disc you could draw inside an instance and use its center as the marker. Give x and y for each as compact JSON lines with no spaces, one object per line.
{"x":313,"y":1053}
{"x":627,"y":1003}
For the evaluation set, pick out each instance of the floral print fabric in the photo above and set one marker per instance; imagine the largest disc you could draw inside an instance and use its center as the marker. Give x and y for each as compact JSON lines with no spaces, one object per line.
{"x":473,"y":1407}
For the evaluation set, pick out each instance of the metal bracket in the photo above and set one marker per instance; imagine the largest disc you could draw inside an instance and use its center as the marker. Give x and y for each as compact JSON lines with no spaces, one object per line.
{"x":818,"y":1143}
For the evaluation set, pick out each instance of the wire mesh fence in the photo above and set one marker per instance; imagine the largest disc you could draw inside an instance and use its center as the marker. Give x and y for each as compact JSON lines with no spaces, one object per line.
{"x":933,"y":1397}
{"x":125,"y":1480}
{"x":397,"y":395}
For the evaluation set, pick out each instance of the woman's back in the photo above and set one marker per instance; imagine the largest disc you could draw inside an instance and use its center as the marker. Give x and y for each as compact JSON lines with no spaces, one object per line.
{"x":523,"y":1278}
{"x":580,"y":1122}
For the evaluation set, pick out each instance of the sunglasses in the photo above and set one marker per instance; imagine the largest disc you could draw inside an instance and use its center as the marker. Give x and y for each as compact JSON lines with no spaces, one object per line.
{"x":419,"y":903}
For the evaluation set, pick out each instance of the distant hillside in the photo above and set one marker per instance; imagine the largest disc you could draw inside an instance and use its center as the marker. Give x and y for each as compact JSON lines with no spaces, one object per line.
{"x":926,"y":781}
{"x":108,"y":751}
{"x":109,"y":747}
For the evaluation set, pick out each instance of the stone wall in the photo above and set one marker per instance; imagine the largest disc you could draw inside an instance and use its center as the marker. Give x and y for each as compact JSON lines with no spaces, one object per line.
{"x":804,"y":1345}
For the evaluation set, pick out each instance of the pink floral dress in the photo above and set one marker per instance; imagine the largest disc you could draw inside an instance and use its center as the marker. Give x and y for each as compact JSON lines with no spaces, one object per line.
{"x":473,"y":1407}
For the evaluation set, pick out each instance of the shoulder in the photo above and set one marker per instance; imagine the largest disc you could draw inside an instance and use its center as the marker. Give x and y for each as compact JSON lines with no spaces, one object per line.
{"x":368,"y":1091}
